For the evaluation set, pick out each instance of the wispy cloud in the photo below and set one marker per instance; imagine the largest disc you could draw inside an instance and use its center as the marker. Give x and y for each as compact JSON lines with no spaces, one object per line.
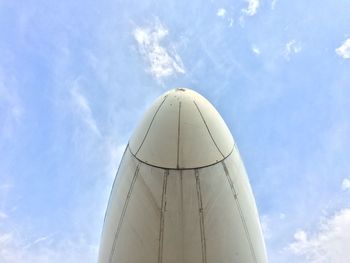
{"x":273,"y":4}
{"x":221,"y":12}
{"x":265,"y":226}
{"x":345,"y":184}
{"x":292,"y":47}
{"x":163,"y":61}
{"x":38,"y":240}
{"x":252,"y":8}
{"x":329,"y":244}
{"x":344,"y":50}
{"x":256,"y":50}
{"x":82,"y":108}
{"x":13,"y":249}
{"x":269,"y":222}
{"x":114,"y":154}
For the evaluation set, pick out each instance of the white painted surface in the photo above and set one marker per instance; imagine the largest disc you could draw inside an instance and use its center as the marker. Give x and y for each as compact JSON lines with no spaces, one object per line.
{"x":186,"y":132}
{"x":202,"y":215}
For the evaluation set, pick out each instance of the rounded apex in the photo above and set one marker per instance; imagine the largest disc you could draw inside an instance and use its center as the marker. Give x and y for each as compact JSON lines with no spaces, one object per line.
{"x":181,"y":130}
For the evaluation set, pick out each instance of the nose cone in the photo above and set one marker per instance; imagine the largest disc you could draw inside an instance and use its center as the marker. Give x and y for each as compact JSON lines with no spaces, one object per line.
{"x":176,"y":212}
{"x":182,"y":130}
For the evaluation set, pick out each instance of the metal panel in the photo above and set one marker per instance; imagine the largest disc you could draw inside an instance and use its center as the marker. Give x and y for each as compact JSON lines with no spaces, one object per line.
{"x":160,"y":145}
{"x":216,"y":125}
{"x":182,"y":241}
{"x":142,"y":129}
{"x":238,"y":175}
{"x":225,"y":237}
{"x":199,"y":215}
{"x":197,"y":148}
{"x":183,"y":131}
{"x":117,"y":204}
{"x":138,"y":240}
{"x":188,"y":216}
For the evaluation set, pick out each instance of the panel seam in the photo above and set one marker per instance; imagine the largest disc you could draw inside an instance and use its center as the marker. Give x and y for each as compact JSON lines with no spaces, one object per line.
{"x":178,"y":136}
{"x":150,"y":125}
{"x":182,"y":217}
{"x":235,"y":195}
{"x":162,"y":217}
{"x":206,"y":125}
{"x":201,"y":217}
{"x":126,"y":203}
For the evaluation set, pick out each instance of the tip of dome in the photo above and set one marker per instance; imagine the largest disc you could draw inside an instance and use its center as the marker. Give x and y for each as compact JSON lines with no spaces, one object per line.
{"x":181,"y":91}
{"x":181,"y":130}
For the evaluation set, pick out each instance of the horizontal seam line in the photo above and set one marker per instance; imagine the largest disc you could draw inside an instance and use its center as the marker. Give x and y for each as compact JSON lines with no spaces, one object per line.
{"x":190,"y":168}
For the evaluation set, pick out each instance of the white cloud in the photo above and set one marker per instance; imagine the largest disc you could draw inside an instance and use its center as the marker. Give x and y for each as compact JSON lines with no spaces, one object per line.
{"x":345,"y":184}
{"x":265,"y":221}
{"x":292,"y":47}
{"x":252,"y":8}
{"x":13,"y":249}
{"x":269,"y":223}
{"x":221,"y":12}
{"x":163,"y":62}
{"x":230,"y":22}
{"x":38,"y":240}
{"x":273,"y":4}
{"x":83,"y":109}
{"x":256,"y":50}
{"x":330,"y":244}
{"x":344,"y":50}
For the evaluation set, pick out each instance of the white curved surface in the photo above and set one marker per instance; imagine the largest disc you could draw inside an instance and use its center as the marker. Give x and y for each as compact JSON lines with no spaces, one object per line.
{"x":182,"y":130}
{"x":201,"y":215}
{"x":172,"y":216}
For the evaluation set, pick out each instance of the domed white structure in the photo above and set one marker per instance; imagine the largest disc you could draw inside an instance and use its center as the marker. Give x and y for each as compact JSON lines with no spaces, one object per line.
{"x":181,"y":194}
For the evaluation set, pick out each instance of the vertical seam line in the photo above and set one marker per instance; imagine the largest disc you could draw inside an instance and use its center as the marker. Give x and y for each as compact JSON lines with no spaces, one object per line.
{"x":182,"y":218}
{"x":126,"y":203}
{"x":201,"y":216}
{"x":150,"y":125}
{"x":162,"y":215}
{"x":178,"y":136}
{"x":206,"y":125}
{"x":234,"y":192}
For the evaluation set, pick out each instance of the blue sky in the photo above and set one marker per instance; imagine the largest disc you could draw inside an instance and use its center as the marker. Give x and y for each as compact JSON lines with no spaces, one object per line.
{"x":76,"y":76}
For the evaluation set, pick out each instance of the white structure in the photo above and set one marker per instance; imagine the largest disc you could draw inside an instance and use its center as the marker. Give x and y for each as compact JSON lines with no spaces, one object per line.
{"x":181,"y":194}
